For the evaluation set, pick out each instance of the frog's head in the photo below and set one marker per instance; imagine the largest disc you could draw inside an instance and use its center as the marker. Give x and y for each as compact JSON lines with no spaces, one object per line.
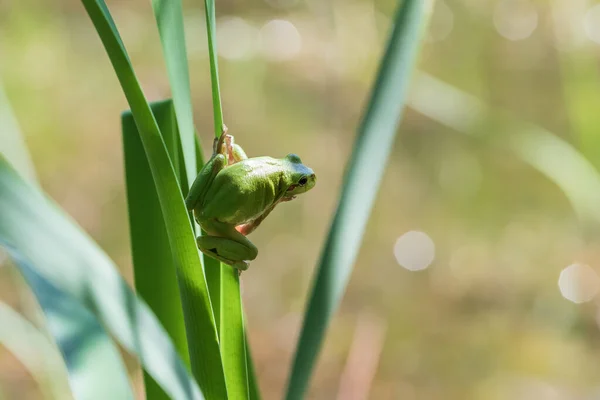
{"x":302,"y":178}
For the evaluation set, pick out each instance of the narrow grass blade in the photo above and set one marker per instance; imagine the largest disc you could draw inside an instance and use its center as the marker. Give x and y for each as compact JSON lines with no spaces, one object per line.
{"x":232,"y":324}
{"x":201,"y":332}
{"x":169,"y":18}
{"x":374,"y":142}
{"x":36,"y":352}
{"x":211,"y":30}
{"x":46,"y":241}
{"x":166,"y":119}
{"x":253,"y":388}
{"x":581,"y":83}
{"x":154,"y":271}
{"x":574,"y":175}
{"x":580,"y":77}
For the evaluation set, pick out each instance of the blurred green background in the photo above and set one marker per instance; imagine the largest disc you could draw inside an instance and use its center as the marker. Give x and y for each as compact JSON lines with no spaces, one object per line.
{"x":455,"y":294}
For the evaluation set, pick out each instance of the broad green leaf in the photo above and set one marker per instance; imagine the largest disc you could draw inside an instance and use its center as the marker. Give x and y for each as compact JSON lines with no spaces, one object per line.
{"x":36,"y":352}
{"x":87,"y":356}
{"x":201,"y":332}
{"x":233,"y":340}
{"x":79,"y":278}
{"x":169,"y":18}
{"x":374,"y":142}
{"x":154,"y":270}
{"x":91,"y":357}
{"x":231,"y":330}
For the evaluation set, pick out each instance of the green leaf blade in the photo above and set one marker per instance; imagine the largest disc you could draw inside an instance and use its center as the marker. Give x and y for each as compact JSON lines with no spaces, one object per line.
{"x":92,"y":358}
{"x":532,"y":143}
{"x":212,"y":267}
{"x":253,"y":388}
{"x":51,"y":245}
{"x":211,"y":30}
{"x":154,"y":271}
{"x":374,"y":142}
{"x":19,"y":336}
{"x":169,"y":18}
{"x":233,"y":341}
{"x":232,"y":331}
{"x":201,"y":332}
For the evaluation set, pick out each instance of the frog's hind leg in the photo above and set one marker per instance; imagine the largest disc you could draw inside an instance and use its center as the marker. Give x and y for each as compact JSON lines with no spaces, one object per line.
{"x":223,"y":250}
{"x":226,"y":244}
{"x":203,"y":180}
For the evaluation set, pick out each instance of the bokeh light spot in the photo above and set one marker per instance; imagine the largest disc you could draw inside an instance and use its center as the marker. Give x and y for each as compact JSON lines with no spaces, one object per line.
{"x":280,"y":40}
{"x":414,"y":250}
{"x":591,"y":23}
{"x":237,"y":39}
{"x":515,"y":19}
{"x":282,"y":3}
{"x":578,"y":283}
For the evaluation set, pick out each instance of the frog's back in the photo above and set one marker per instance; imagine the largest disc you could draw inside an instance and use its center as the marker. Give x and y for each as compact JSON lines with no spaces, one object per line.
{"x":243,"y":191}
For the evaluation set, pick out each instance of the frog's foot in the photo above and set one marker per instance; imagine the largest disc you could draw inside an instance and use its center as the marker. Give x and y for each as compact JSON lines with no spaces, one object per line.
{"x":240,"y":265}
{"x":229,"y":251}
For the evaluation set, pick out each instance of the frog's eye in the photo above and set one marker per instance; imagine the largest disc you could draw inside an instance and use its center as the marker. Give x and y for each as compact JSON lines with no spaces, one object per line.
{"x":303,"y":181}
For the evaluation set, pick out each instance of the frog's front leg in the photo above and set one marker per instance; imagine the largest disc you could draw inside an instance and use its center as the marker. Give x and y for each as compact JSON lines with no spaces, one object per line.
{"x":229,"y":149}
{"x":226,"y":244}
{"x":248,"y":228}
{"x":235,"y":151}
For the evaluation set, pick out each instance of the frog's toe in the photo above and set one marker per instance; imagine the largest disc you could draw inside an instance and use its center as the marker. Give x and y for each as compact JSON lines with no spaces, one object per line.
{"x":241,"y":265}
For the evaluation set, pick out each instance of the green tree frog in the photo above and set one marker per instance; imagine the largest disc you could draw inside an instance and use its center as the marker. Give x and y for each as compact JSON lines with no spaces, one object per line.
{"x":233,"y":194}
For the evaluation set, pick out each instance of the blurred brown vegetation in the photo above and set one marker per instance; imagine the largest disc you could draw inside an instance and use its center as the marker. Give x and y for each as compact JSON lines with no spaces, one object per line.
{"x":486,"y":320}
